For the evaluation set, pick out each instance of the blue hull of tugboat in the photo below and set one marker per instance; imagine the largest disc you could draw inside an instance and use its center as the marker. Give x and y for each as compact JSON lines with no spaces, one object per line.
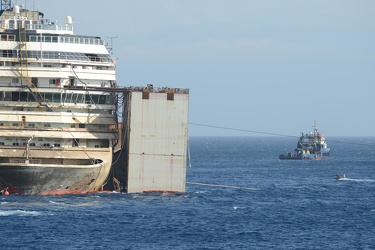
{"x":308,"y":157}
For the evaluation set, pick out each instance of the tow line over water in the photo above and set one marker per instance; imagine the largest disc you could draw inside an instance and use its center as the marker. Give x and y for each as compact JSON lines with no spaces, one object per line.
{"x":222,"y":186}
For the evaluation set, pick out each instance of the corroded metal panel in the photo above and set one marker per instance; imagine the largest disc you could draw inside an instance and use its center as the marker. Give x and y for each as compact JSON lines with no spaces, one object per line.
{"x":158,"y":143}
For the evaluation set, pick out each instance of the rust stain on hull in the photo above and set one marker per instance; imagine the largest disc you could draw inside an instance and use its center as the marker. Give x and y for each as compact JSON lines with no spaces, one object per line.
{"x":49,"y":180}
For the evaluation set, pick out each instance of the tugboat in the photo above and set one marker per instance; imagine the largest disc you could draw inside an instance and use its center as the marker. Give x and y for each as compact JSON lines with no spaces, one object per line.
{"x":310,"y":146}
{"x":340,"y":177}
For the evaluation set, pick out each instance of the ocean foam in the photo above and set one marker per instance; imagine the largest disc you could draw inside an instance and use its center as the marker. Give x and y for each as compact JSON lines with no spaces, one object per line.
{"x":19,"y":213}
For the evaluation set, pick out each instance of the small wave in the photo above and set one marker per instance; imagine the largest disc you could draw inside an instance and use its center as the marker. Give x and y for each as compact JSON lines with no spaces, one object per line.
{"x":235,"y":207}
{"x":359,"y":180}
{"x":57,"y":203}
{"x":200,"y":192}
{"x":19,"y":213}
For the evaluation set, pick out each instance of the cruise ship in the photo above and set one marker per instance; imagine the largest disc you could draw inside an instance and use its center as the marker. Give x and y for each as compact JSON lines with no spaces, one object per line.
{"x":58,"y":110}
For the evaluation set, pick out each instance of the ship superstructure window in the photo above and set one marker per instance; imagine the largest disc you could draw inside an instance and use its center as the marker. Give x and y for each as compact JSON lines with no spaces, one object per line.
{"x":9,"y":53}
{"x":2,"y":143}
{"x":46,"y":39}
{"x":31,"y":125}
{"x":15,"y":80}
{"x":6,"y":96}
{"x":15,"y":144}
{"x":53,"y":97}
{"x":34,"y":81}
{"x":11,"y":24}
{"x":110,"y":100}
{"x":67,"y":39}
{"x":55,"y":81}
{"x":5,"y":37}
{"x":15,"y":96}
{"x":61,"y":55}
{"x":102,"y":99}
{"x":93,"y":57}
{"x":89,"y":99}
{"x":26,"y":96}
{"x":27,"y":24}
{"x":48,"y":96}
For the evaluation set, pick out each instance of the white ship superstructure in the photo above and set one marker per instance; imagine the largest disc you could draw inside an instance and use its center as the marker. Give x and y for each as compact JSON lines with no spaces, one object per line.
{"x":58,"y":120}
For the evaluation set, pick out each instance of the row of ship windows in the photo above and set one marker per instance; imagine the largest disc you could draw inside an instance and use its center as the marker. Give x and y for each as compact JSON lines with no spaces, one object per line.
{"x":37,"y":54}
{"x":66,"y":39}
{"x":42,"y":145}
{"x":32,"y":144}
{"x":20,"y":96}
{"x":48,"y":125}
{"x":91,"y":67}
{"x":56,"y":39}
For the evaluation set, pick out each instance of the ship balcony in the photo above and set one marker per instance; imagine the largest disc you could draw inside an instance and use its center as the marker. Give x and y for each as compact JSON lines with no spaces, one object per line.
{"x":56,"y":62}
{"x":12,"y":131}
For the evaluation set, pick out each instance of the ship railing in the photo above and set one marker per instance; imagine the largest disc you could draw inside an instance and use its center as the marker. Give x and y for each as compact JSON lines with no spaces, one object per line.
{"x":103,"y":63}
{"x":65,"y":27}
{"x":46,"y":60}
{"x":106,"y":65}
{"x":48,"y":26}
{"x":110,"y":129}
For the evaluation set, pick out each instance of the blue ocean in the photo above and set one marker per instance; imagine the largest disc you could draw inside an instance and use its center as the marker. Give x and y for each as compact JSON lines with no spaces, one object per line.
{"x":239,"y":195}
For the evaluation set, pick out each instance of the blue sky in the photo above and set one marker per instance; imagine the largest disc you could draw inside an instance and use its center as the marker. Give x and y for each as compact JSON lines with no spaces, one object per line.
{"x":258,"y":65}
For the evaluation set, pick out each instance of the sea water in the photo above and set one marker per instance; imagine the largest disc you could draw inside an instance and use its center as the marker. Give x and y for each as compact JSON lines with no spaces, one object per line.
{"x":250,"y":200}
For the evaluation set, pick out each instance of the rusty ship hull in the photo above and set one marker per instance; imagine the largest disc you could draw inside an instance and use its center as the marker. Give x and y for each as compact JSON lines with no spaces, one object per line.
{"x":55,"y":171}
{"x":30,"y":179}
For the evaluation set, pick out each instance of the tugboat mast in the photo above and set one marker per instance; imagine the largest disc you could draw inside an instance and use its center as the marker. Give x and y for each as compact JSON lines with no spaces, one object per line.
{"x":316,"y":129}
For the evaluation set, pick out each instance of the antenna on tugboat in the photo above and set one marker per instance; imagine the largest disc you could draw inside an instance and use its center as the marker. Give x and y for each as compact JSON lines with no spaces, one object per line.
{"x":315,"y":128}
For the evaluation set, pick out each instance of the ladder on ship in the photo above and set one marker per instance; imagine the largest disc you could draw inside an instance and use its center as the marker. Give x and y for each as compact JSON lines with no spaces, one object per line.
{"x":24,"y":70}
